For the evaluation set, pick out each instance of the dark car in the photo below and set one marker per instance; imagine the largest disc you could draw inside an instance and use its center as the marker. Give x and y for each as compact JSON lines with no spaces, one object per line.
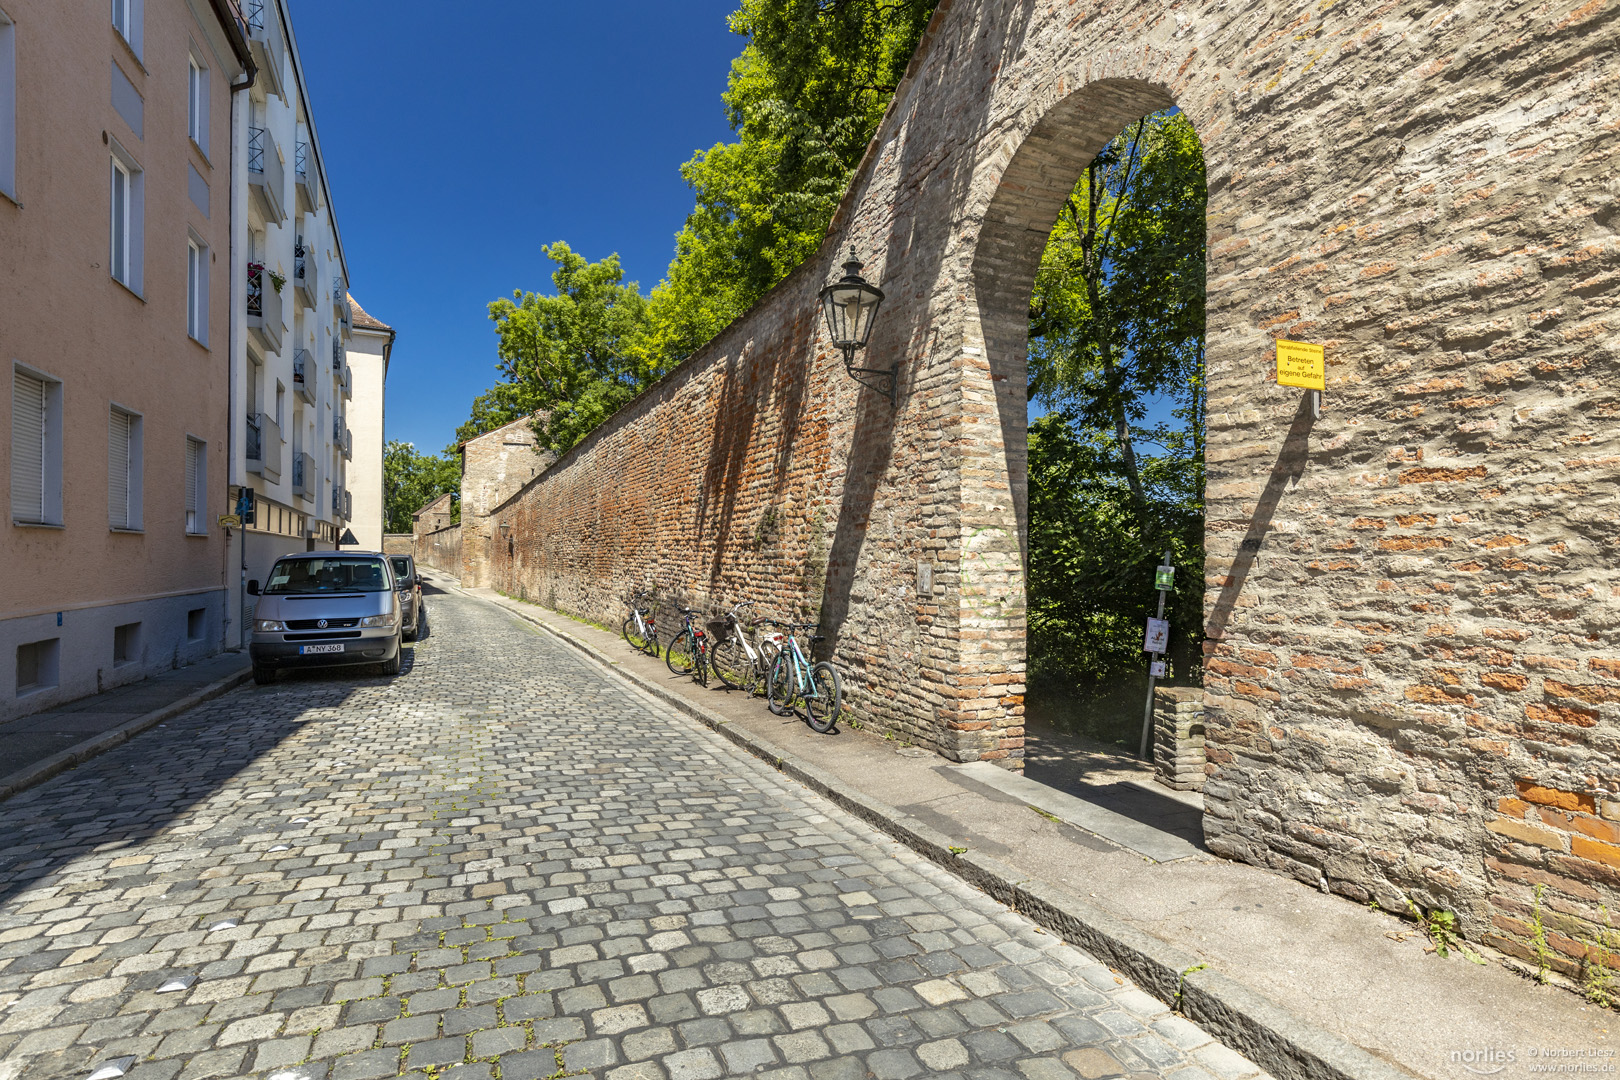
{"x":409,"y":584}
{"x":325,"y":607}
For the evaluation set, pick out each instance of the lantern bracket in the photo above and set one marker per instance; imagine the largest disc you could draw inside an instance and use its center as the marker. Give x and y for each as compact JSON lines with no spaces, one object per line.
{"x":883,"y":380}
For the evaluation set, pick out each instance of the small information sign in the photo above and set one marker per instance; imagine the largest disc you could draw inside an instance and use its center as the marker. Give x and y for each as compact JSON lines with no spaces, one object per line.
{"x":229,"y":521}
{"x":1164,"y":577}
{"x":1156,"y":669}
{"x":1158,"y":636}
{"x":1302,"y":365}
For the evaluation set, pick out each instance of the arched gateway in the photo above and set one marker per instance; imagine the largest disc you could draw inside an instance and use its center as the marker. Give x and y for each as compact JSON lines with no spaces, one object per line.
{"x":1413,"y":608}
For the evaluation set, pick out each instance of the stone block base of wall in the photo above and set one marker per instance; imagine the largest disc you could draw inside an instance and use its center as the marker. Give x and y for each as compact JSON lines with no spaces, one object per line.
{"x":1178,"y":737}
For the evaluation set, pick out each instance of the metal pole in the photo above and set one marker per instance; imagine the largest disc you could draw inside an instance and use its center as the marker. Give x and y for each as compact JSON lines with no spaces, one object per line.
{"x":1147,"y":711}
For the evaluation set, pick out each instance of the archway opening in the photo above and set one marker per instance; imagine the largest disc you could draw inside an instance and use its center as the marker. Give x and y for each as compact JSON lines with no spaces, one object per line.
{"x":1116,"y":434}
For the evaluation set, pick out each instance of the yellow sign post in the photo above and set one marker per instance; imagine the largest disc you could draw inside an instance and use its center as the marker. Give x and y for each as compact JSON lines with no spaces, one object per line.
{"x":1301,"y":365}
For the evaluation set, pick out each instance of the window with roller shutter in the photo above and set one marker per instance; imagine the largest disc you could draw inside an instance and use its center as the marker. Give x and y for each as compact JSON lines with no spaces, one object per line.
{"x":28,"y":448}
{"x":123,"y":469}
{"x":196,"y":484}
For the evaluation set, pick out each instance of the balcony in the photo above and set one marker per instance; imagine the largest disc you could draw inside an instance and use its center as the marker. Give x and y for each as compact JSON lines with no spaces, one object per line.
{"x":303,"y":480}
{"x":340,"y":305}
{"x":348,"y":444}
{"x":304,"y":373}
{"x":348,"y":505}
{"x":340,"y":356}
{"x":337,"y":429}
{"x":264,"y":309}
{"x":340,"y":499}
{"x":267,"y":176}
{"x":264,"y":447}
{"x":346,"y":382}
{"x":306,"y":181}
{"x":305,"y":274}
{"x":269,"y":47}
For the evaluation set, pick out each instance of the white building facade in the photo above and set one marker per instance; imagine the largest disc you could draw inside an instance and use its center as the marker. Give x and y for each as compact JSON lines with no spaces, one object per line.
{"x":371,"y":346}
{"x":291,"y":386}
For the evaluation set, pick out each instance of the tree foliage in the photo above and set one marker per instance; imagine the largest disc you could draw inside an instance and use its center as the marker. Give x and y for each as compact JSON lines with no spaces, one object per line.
{"x":1117,"y":328}
{"x":571,"y":356}
{"x":412,"y":480}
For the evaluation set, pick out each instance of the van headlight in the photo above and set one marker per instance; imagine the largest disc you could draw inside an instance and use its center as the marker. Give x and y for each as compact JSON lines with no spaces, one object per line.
{"x":269,"y":626}
{"x":377,"y":620}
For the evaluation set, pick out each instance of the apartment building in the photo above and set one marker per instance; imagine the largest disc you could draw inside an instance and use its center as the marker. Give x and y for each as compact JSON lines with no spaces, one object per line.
{"x":115,"y":333}
{"x":291,"y":441}
{"x":370,"y":349}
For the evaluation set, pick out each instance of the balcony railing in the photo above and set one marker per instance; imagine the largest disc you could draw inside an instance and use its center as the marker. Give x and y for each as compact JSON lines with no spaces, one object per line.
{"x":264,"y":36}
{"x":305,"y":176}
{"x":340,"y":355}
{"x":264,"y":308}
{"x":264,"y":447}
{"x":340,"y":304}
{"x":337,"y":429}
{"x":305,"y":273}
{"x":348,"y":505}
{"x":304,"y":373}
{"x":348,"y":444}
{"x":303,"y":471}
{"x":346,"y":382}
{"x":267,"y":176}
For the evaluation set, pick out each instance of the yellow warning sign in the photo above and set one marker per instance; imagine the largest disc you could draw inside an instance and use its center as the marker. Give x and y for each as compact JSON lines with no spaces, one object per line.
{"x":1302,"y":365}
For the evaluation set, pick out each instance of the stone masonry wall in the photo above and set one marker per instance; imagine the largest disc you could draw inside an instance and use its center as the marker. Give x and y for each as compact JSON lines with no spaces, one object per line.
{"x":440,"y":549}
{"x":1413,"y":611}
{"x":493,"y":467}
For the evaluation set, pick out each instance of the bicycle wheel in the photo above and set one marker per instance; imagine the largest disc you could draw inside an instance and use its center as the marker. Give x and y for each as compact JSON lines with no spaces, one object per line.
{"x":633,"y":636}
{"x":822,"y":710}
{"x":682,"y":656}
{"x":651,"y":648}
{"x":768,"y":651}
{"x":734,"y":666}
{"x":779,"y":685}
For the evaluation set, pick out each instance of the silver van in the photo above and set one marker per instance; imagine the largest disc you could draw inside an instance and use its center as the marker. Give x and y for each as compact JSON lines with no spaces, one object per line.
{"x":323,"y":608}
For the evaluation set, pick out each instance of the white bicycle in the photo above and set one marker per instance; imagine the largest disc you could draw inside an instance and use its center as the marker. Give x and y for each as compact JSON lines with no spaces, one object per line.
{"x":741,"y":664}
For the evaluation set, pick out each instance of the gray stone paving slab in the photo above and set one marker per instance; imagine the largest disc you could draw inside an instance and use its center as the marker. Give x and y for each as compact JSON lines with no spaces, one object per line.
{"x":506,"y":860}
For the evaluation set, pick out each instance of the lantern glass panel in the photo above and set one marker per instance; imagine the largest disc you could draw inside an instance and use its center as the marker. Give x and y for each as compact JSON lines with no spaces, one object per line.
{"x":850,"y":309}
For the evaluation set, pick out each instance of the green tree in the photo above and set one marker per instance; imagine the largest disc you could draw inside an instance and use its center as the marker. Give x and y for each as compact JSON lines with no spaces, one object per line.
{"x":805,"y":98}
{"x":569,"y":356}
{"x":412,"y":480}
{"x":1117,"y":326}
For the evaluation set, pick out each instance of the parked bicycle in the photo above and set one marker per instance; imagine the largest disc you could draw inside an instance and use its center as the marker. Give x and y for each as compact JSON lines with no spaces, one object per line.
{"x":688,"y":652}
{"x":639,"y":630}
{"x":741,"y":664}
{"x":795,"y":681}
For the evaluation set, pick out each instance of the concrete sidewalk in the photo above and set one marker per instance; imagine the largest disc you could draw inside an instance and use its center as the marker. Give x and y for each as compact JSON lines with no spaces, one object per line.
{"x":37,"y":747}
{"x":1313,"y":975}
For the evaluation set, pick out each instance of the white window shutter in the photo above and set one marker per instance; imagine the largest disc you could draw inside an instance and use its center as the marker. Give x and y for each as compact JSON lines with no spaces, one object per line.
{"x":118,"y":470}
{"x":27,"y":448}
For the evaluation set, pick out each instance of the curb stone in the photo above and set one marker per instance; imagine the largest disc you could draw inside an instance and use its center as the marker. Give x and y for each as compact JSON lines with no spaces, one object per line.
{"x":80,"y":752}
{"x":1284,"y":1045}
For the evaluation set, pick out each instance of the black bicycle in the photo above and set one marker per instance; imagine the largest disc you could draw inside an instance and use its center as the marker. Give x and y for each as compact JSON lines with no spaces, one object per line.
{"x":688,"y":652}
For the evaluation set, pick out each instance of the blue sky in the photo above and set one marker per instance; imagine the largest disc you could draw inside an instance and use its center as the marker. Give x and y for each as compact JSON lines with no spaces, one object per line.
{"x":459,"y":138}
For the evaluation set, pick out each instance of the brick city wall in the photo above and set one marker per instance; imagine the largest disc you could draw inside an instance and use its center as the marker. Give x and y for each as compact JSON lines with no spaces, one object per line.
{"x":493,"y":467}
{"x":1412,"y":607}
{"x":440,"y":549}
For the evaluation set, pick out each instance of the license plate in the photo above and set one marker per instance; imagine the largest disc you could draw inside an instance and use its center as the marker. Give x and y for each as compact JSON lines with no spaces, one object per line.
{"x":309,"y":649}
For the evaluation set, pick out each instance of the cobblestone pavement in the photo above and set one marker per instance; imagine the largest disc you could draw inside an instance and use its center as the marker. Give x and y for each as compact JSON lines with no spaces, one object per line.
{"x":506,"y":863}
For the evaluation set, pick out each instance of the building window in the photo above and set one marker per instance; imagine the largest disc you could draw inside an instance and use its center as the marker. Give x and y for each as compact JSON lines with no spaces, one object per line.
{"x":196,"y":624}
{"x":197,"y":291}
{"x":197,"y":103}
{"x":126,"y":644}
{"x":8,"y":107}
{"x":124,"y":470}
{"x":36,"y":449}
{"x":196,"y":485}
{"x":128,"y":191}
{"x":126,"y":19}
{"x":37,"y":666}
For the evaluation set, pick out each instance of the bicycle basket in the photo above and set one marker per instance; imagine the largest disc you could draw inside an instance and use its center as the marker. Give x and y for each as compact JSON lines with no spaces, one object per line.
{"x":719,"y":629}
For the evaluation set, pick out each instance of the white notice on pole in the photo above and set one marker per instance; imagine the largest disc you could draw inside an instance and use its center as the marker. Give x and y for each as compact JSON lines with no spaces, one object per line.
{"x":1158,"y":636}
{"x":1156,"y":669}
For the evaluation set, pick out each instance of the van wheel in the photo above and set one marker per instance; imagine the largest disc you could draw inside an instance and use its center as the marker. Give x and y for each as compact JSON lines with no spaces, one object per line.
{"x":413,"y":632}
{"x":262,"y":675}
{"x":391,"y":667}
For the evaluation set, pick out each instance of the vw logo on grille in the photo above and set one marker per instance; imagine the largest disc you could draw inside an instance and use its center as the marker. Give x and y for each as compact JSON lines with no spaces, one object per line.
{"x":321,"y":624}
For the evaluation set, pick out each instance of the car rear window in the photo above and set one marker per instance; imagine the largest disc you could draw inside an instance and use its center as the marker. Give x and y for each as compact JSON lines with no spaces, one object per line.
{"x":338,"y":574}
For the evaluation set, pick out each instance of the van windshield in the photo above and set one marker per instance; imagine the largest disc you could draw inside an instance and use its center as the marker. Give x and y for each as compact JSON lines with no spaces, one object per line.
{"x":349,"y":574}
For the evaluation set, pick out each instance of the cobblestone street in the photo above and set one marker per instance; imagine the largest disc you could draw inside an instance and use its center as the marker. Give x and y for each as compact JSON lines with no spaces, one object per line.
{"x":506,"y":863}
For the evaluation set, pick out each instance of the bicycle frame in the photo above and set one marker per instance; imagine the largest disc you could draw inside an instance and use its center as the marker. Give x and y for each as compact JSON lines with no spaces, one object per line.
{"x":803,"y":684}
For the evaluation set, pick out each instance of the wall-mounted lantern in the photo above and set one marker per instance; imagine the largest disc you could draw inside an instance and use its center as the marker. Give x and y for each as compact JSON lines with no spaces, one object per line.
{"x":851,"y":305}
{"x":505,"y":528}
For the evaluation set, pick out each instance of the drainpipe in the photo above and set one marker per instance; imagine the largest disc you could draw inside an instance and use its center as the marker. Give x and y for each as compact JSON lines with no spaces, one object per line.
{"x":249,"y":74}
